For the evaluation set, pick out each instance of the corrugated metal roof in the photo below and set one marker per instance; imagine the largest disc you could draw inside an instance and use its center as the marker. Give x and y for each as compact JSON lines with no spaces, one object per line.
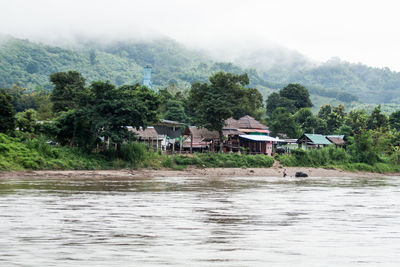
{"x":254,"y":131}
{"x":318,"y":139}
{"x":262,"y":138}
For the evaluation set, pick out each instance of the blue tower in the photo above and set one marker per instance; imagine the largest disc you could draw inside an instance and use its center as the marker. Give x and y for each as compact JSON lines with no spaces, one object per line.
{"x":147,"y":76}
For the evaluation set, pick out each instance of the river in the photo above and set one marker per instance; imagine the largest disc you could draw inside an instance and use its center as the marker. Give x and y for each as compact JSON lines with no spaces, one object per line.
{"x":197,"y":221}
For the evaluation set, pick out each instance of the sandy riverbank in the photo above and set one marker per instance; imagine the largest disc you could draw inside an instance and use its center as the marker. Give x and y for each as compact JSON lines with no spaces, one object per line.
{"x":189,"y":172}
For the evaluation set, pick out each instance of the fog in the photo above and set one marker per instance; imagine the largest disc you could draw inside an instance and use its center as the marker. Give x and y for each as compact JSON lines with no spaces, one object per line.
{"x":356,"y":31}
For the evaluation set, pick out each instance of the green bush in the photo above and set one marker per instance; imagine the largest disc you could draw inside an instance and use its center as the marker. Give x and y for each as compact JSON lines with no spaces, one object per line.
{"x":315,"y":157}
{"x":133,"y":152}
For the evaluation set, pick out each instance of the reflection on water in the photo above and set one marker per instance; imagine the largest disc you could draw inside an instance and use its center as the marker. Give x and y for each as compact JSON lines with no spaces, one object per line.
{"x":240,"y":221}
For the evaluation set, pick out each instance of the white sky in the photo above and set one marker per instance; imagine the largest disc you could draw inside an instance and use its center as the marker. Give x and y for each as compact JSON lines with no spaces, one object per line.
{"x":354,"y":30}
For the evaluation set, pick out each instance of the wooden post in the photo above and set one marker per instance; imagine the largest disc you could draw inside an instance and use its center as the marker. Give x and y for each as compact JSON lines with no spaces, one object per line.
{"x":157,"y":143}
{"x":191,"y":143}
{"x":180,"y":145}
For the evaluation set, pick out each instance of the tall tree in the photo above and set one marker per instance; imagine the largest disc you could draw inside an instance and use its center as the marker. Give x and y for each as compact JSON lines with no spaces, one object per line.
{"x":251,"y":104}
{"x":378,"y":119}
{"x":292,"y":97}
{"x":7,"y":112}
{"x":394,"y":120}
{"x":213,"y":103}
{"x":68,"y":90}
{"x":357,"y":120}
{"x":275,"y":101}
{"x":324,"y":112}
{"x":175,"y":111}
{"x":298,"y":93}
{"x":282,"y":122}
{"x":309,"y":123}
{"x":112,"y":109}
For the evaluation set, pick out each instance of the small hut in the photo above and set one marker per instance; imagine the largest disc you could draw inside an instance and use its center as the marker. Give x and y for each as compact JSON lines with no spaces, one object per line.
{"x":337,"y":140}
{"x":150,"y":137}
{"x":200,"y":139}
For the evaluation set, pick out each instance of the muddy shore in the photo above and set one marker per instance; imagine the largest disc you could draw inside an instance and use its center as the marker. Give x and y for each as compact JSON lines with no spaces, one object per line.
{"x":189,"y":172}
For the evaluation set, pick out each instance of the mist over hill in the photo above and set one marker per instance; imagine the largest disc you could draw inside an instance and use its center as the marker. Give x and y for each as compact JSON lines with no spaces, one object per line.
{"x":270,"y":68}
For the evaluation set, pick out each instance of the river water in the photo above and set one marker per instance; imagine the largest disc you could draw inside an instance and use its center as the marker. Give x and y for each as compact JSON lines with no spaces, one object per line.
{"x":198,"y":221}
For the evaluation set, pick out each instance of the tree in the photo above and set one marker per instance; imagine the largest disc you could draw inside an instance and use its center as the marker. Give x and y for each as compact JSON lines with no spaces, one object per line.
{"x":309,"y":123}
{"x":365,"y":151}
{"x":211,"y":104}
{"x":275,"y":101}
{"x":324,"y":112}
{"x":282,"y":122}
{"x":110,"y":110}
{"x":357,"y":120}
{"x":69,"y":87}
{"x":292,"y":97}
{"x":298,"y":93}
{"x":175,"y":111}
{"x":335,"y":118}
{"x":251,"y":104}
{"x":27,"y":120}
{"x":104,"y":112}
{"x":378,"y":119}
{"x":7,"y":112}
{"x":302,"y":115}
{"x":394,"y":120}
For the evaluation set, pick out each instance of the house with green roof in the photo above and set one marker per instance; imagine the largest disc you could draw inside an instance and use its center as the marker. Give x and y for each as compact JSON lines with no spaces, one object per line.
{"x":308,"y":141}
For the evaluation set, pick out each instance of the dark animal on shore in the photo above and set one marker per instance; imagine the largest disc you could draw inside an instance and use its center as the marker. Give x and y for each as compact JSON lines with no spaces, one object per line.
{"x":301,"y":174}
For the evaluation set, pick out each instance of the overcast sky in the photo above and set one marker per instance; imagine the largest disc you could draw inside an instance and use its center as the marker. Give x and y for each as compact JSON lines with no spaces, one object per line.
{"x":354,"y":30}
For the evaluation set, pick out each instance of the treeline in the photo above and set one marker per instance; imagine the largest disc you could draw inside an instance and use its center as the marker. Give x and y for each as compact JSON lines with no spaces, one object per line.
{"x":30,"y":64}
{"x":370,"y":138}
{"x":95,"y":117}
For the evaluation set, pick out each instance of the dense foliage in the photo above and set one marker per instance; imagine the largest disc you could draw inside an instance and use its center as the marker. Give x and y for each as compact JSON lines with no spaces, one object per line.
{"x":7,"y":112}
{"x":336,"y":82}
{"x":225,"y":97}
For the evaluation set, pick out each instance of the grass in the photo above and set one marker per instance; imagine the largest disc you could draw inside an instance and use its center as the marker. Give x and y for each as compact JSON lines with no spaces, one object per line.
{"x":36,"y":154}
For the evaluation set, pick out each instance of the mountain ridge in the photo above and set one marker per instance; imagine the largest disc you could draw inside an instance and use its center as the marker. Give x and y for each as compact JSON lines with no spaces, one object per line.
{"x":30,"y":63}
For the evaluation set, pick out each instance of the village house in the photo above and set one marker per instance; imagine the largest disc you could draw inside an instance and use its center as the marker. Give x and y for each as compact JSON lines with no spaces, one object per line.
{"x":243,"y":135}
{"x":251,"y":135}
{"x":311,"y":141}
{"x":163,"y":135}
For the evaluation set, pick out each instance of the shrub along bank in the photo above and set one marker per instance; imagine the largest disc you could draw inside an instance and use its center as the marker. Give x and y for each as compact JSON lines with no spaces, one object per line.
{"x":338,"y":158}
{"x":21,"y":153}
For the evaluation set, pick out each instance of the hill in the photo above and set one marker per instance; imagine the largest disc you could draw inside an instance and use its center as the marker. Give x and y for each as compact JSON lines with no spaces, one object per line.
{"x":121,"y":62}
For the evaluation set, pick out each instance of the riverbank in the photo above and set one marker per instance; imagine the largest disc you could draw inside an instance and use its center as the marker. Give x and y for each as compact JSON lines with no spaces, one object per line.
{"x":188,"y":172}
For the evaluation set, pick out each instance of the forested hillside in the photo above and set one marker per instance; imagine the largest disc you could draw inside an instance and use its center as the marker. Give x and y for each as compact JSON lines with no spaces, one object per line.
{"x":30,"y":64}
{"x":370,"y":85}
